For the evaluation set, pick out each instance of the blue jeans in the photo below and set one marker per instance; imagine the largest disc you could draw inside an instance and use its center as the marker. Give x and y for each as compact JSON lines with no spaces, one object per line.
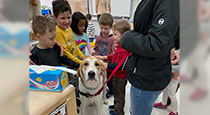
{"x":142,"y":101}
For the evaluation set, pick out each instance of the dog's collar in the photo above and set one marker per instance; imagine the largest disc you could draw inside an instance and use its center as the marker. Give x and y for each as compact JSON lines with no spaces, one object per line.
{"x":89,"y":87}
{"x":87,"y":95}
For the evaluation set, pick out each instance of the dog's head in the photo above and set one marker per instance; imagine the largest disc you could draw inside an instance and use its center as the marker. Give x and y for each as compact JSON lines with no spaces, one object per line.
{"x":91,"y":71}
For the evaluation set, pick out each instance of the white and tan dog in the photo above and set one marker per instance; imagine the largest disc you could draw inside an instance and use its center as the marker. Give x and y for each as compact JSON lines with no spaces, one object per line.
{"x":92,"y":76}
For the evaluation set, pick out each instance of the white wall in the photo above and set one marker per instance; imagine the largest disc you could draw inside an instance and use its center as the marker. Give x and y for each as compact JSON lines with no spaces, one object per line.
{"x":46,"y":3}
{"x":120,"y":7}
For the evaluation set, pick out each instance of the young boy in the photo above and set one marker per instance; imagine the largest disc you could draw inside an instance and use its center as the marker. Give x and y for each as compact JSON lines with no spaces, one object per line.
{"x":104,"y":44}
{"x":120,"y":77}
{"x":46,"y":52}
{"x":64,"y":35}
{"x":90,"y":28}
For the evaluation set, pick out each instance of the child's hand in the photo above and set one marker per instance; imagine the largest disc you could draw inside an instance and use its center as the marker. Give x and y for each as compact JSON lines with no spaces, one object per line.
{"x":61,"y":47}
{"x":94,"y":53}
{"x":105,"y":65}
{"x":30,"y":61}
{"x":175,"y":59}
{"x":101,"y":57}
{"x":84,"y":57}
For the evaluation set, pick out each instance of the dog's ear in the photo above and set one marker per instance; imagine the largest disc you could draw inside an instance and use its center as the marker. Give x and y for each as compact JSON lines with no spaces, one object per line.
{"x":80,"y":73}
{"x":103,"y":72}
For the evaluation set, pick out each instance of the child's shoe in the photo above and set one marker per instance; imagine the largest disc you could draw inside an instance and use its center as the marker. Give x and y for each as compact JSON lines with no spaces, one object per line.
{"x":111,"y":107}
{"x":198,"y":94}
{"x":160,"y":106}
{"x":112,"y":112}
{"x":172,"y":113}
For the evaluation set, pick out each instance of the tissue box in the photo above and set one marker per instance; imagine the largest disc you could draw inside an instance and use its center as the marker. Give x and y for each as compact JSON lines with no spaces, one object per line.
{"x":46,"y":79}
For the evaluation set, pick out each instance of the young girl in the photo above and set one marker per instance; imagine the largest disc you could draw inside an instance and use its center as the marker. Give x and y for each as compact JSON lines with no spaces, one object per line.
{"x":120,"y":77}
{"x":79,"y":26}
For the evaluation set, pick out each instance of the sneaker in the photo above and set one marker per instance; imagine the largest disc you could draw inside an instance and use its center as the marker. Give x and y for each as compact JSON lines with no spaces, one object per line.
{"x":112,"y":112}
{"x":160,"y":106}
{"x":198,"y":94}
{"x":172,"y":113}
{"x":111,"y":107}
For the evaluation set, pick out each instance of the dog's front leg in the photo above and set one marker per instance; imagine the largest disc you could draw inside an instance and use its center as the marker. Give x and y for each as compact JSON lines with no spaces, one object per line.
{"x":98,"y":106}
{"x":83,"y":107}
{"x":104,"y":95}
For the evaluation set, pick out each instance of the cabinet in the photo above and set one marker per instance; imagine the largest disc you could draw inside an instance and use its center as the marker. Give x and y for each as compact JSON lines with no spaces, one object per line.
{"x":50,"y":103}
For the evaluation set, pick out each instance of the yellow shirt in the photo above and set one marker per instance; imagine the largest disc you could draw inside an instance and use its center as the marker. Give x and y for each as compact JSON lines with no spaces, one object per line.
{"x":70,"y":48}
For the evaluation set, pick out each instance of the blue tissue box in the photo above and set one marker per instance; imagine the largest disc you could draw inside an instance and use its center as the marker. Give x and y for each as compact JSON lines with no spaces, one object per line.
{"x":48,"y":80}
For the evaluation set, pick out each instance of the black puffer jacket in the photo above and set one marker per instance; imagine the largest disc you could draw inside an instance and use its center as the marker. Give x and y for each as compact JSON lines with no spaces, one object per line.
{"x":156,"y":24}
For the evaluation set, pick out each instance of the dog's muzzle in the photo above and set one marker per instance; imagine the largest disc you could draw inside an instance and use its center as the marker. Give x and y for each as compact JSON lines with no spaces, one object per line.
{"x":91,"y":75}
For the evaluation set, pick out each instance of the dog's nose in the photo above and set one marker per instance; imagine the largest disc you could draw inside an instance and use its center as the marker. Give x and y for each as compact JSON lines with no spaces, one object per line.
{"x":91,"y":74}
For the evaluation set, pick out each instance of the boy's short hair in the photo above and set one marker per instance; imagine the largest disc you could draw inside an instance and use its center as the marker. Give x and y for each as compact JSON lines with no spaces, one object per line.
{"x":40,"y":25}
{"x":60,"y":6}
{"x":88,"y":16}
{"x":106,"y":19}
{"x":122,"y":26}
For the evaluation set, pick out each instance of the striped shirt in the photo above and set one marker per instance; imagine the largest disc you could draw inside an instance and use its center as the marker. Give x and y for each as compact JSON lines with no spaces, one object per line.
{"x":91,"y":29}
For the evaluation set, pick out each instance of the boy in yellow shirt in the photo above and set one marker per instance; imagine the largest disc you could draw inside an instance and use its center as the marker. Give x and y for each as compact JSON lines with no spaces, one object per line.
{"x":64,"y":35}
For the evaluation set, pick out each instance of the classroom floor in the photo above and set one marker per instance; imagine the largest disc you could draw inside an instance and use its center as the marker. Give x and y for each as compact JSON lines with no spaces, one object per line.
{"x":105,"y":110}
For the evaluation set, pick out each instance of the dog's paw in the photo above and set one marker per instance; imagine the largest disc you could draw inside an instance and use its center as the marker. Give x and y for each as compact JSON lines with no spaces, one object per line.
{"x":105,"y":102}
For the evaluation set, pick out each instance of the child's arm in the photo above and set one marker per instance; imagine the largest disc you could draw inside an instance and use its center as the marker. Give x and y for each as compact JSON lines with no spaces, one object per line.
{"x":65,"y":48}
{"x":79,"y":53}
{"x":96,"y":46}
{"x":101,"y":57}
{"x":112,"y":46}
{"x":90,"y":48}
{"x":33,"y":59}
{"x":65,"y":60}
{"x":61,"y":47}
{"x":112,"y":66}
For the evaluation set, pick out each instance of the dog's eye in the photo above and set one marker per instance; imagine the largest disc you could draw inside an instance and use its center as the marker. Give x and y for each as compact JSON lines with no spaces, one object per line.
{"x":86,"y":64}
{"x":96,"y":64}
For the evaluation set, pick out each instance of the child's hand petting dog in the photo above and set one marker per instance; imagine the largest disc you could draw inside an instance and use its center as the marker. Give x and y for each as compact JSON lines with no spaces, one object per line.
{"x":101,"y":57}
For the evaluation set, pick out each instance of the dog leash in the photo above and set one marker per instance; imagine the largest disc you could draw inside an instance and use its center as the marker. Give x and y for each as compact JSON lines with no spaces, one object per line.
{"x":119,"y":64}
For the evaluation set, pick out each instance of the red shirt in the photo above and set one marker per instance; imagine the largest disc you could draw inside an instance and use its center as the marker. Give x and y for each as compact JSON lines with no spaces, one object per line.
{"x":115,"y":58}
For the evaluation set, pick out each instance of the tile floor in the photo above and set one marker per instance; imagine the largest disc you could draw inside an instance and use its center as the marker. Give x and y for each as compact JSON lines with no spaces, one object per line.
{"x":105,"y":110}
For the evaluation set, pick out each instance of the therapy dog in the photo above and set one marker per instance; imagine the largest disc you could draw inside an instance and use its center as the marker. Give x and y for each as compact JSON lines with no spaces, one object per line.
{"x":92,"y":76}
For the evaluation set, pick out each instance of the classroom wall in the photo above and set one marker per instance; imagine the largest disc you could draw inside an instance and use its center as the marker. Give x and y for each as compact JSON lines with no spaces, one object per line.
{"x":126,"y":9}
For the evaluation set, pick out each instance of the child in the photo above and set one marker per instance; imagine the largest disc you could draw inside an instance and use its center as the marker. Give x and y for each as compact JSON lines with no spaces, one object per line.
{"x":170,"y":91}
{"x":120,"y":77}
{"x":90,"y":28}
{"x":104,"y":44}
{"x":46,"y":52}
{"x":79,"y":26}
{"x":64,"y":35}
